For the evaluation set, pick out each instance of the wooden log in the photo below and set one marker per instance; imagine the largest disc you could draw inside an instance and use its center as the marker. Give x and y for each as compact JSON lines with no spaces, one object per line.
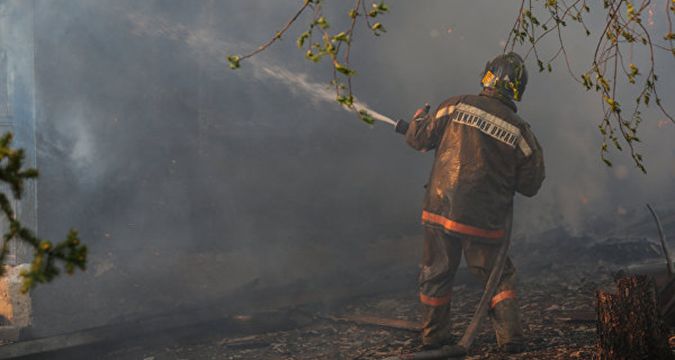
{"x":361,"y":319}
{"x":665,"y":287}
{"x":629,"y":322}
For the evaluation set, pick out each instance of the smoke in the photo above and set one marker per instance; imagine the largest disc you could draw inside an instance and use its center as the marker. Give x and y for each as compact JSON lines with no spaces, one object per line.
{"x":203,"y":41}
{"x":188,"y":179}
{"x":75,"y":144}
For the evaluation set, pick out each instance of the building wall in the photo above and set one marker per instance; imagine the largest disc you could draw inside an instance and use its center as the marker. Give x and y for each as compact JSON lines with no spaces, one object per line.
{"x":17,"y":100}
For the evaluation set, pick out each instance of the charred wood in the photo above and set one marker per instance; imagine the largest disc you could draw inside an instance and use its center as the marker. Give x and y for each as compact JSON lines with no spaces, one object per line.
{"x":629,"y":322}
{"x":379,"y":321}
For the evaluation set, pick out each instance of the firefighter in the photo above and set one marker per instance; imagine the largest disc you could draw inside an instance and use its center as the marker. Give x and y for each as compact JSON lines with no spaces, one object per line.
{"x":484,"y":154}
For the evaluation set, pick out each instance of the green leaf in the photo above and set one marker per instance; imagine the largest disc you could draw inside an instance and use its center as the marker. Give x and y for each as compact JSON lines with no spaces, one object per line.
{"x":634,"y":71}
{"x":322,"y":22}
{"x":347,"y":101}
{"x":366,"y":117}
{"x":342,"y":36}
{"x":377,"y":9}
{"x":377,"y":28}
{"x":315,"y":57}
{"x":233,"y":61}
{"x":343,"y":69}
{"x":630,"y":9}
{"x":329,"y":48}
{"x":301,"y":39}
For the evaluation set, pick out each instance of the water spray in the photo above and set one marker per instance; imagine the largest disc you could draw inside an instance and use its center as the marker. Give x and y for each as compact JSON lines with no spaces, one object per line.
{"x":374,"y":114}
{"x":206,"y":43}
{"x":319,"y":92}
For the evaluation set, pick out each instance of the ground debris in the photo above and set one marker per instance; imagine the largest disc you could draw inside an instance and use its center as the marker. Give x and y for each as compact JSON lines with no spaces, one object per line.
{"x":245,"y":342}
{"x":559,"y":274}
{"x":360,"y":319}
{"x":557,"y":319}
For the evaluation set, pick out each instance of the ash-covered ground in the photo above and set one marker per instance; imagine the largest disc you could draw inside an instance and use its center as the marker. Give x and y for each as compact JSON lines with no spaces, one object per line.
{"x":559,"y":276}
{"x":555,"y":315}
{"x":331,"y":315}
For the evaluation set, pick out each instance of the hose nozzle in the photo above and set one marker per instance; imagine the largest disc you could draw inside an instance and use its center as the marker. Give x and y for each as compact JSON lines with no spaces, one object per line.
{"x":401,"y":127}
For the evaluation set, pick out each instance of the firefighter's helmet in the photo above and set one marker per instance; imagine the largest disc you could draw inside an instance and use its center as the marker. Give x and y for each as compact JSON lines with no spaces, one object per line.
{"x":507,"y":75}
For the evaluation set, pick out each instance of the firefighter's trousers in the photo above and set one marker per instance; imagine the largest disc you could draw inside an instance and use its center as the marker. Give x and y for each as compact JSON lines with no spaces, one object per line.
{"x":442,"y":256}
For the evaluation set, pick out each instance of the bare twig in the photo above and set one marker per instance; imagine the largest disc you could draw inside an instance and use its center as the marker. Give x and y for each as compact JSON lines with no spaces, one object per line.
{"x":664,"y":244}
{"x":515,"y":27}
{"x":278,"y":34}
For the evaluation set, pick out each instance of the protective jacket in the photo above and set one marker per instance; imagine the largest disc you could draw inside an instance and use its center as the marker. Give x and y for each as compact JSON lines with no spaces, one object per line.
{"x":484,"y":154}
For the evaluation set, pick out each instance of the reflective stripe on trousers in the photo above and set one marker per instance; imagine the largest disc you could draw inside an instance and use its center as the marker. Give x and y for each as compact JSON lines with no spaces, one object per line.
{"x":442,"y":256}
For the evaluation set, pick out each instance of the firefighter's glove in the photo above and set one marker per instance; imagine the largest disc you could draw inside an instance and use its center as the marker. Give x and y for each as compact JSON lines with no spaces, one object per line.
{"x":421,"y":113}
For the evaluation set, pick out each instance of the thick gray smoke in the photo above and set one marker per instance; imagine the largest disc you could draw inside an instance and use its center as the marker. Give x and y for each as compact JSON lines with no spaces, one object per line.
{"x":188,"y":179}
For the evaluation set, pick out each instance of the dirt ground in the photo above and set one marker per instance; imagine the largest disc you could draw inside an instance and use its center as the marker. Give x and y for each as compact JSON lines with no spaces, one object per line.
{"x":557,"y":297}
{"x":557,"y":310}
